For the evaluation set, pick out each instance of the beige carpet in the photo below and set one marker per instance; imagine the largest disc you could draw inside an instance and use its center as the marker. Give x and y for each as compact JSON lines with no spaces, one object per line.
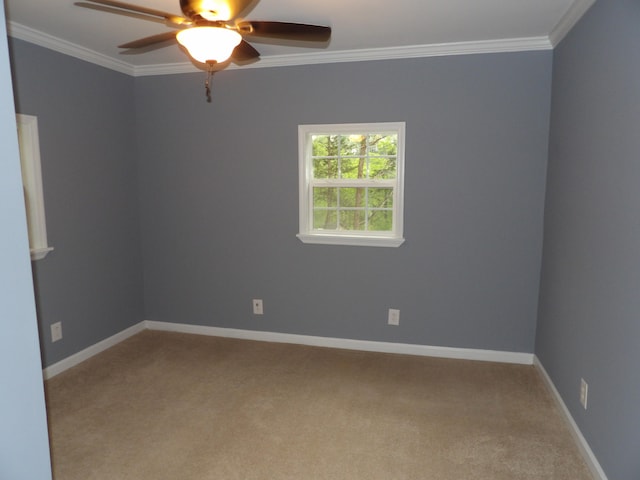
{"x":186,"y":407}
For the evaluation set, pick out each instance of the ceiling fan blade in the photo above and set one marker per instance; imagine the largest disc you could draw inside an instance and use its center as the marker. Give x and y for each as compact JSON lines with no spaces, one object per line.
{"x":214,"y":10}
{"x":101,"y":8}
{"x":291,"y":31}
{"x":244,"y":51}
{"x":127,"y":7}
{"x":153,"y":39}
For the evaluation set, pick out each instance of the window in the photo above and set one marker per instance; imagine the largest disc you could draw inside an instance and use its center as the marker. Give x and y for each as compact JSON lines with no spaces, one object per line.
{"x":32,"y":183}
{"x":351,"y":184}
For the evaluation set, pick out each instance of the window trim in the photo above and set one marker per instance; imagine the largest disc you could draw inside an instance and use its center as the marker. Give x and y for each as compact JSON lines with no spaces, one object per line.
{"x":368,"y":239}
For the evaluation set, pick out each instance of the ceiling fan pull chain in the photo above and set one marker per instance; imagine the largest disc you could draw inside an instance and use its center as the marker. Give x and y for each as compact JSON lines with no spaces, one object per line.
{"x":207,"y":83}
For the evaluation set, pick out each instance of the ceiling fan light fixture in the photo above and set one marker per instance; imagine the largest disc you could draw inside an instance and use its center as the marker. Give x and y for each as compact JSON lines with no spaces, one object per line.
{"x":206,"y":44}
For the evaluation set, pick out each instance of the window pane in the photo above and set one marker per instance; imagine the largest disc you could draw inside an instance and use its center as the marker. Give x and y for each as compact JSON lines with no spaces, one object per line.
{"x":382,"y":168}
{"x":352,"y":197}
{"x":352,"y":219}
{"x":383,"y":144}
{"x":321,"y":145}
{"x":351,"y":145}
{"x":381,"y":220}
{"x":380,"y":197}
{"x":324,"y":219}
{"x":325,"y":197}
{"x":325,"y":168}
{"x":352,"y":167}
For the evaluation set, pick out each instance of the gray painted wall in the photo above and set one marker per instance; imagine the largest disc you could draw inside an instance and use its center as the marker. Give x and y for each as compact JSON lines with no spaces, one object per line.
{"x":589,"y":323}
{"x":219,"y":200}
{"x":92,"y":281}
{"x":24,"y":445}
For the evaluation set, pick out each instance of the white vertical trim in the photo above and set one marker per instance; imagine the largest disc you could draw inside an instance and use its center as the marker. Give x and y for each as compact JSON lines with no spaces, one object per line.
{"x":29,"y":141}
{"x":585,"y":449}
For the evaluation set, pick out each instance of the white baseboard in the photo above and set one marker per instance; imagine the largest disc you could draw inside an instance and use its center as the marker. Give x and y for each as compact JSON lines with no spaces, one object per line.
{"x":585,"y":449}
{"x":342,"y":343}
{"x":348,"y":344}
{"x":81,"y":356}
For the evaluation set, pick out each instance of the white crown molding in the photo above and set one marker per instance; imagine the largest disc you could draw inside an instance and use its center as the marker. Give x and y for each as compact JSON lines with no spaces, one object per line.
{"x":371,"y":54}
{"x":577,"y":9}
{"x":566,"y":23}
{"x":30,"y":35}
{"x":36,"y":37}
{"x":411,"y":51}
{"x":167,"y":69}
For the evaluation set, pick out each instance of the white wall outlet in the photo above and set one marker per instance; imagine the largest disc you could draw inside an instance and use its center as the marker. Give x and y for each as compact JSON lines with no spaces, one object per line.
{"x":394,"y":317}
{"x":56,"y":331}
{"x":584,"y":393}
{"x":257,"y":307}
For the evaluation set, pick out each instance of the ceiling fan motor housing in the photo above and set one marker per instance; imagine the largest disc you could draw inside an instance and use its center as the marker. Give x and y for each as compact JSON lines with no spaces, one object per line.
{"x":212,"y":10}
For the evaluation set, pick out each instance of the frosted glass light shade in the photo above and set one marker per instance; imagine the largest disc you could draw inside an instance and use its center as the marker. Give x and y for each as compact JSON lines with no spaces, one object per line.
{"x":209,"y":43}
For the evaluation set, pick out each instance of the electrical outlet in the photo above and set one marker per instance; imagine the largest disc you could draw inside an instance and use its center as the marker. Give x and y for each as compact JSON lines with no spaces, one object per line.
{"x":56,"y":331}
{"x":394,"y":317}
{"x":584,"y":393}
{"x":257,"y":307}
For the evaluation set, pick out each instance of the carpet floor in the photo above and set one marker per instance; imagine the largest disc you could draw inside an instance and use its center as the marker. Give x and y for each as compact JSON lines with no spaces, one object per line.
{"x":185,"y":407}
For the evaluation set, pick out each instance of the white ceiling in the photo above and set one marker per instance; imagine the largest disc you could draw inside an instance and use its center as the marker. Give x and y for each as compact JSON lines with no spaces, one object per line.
{"x":361,"y":29}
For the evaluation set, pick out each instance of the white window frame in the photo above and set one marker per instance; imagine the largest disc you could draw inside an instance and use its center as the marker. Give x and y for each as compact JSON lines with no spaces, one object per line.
{"x":307,"y":234}
{"x":32,"y":184}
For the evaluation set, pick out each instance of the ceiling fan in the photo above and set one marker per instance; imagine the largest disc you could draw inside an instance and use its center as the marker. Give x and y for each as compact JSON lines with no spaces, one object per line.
{"x":211,"y":30}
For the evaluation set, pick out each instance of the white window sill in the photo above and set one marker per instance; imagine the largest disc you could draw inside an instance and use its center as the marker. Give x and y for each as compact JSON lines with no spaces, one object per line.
{"x":353,"y":240}
{"x":40,"y":253}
